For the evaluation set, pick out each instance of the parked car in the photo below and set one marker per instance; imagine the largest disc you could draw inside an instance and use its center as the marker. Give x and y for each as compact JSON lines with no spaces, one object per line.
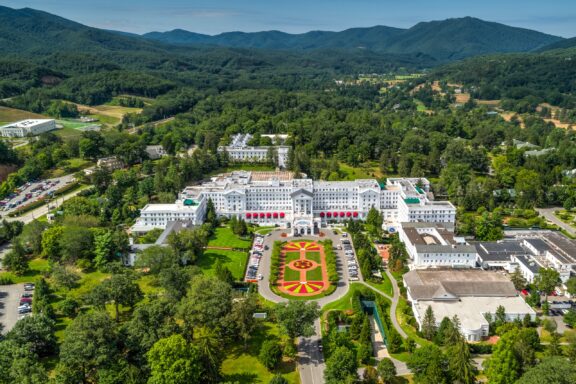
{"x":28,"y":287}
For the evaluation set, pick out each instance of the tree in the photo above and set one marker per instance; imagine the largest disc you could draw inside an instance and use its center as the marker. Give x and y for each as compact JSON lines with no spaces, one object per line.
{"x":36,"y":333}
{"x":243,"y":316}
{"x":340,"y":366}
{"x":156,"y":258}
{"x":552,"y":370}
{"x":374,"y":221}
{"x":90,"y":344}
{"x":386,"y":370}
{"x":223,"y":273}
{"x":173,"y":360}
{"x":278,"y":379}
{"x":546,"y":280}
{"x":488,"y":227}
{"x":429,"y":324}
{"x":119,"y":289}
{"x":211,"y":216}
{"x":429,"y":365}
{"x":571,"y":286}
{"x":462,"y":367}
{"x":175,"y":280}
{"x":518,"y":280}
{"x":64,"y":277}
{"x":500,"y":316}
{"x":297,"y":318}
{"x":20,"y":365}
{"x":503,"y":367}
{"x":207,"y":303}
{"x":409,"y":345}
{"x":370,"y":375}
{"x":16,"y":261}
{"x":270,"y":354}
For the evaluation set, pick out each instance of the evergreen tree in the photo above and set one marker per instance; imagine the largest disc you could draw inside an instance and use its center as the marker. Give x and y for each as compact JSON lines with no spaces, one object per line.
{"x":518,"y":280}
{"x":462,"y":368}
{"x":429,"y":324}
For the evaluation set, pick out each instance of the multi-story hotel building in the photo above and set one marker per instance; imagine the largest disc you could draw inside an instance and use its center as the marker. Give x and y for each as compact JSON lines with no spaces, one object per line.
{"x":240,"y":151}
{"x":277,"y":198}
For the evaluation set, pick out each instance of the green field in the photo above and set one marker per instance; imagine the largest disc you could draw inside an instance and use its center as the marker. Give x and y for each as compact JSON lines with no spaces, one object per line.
{"x":224,"y":237}
{"x":36,"y":269}
{"x":291,"y":256}
{"x":314,"y":256}
{"x":242,"y":365}
{"x":344,"y":303}
{"x":385,"y":286}
{"x":314,"y":275}
{"x":364,"y":171}
{"x":10,"y":115}
{"x":291,"y":275}
{"x":235,"y":261}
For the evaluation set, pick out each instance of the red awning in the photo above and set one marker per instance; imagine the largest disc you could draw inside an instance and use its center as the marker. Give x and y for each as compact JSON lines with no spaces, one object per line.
{"x":268,"y":215}
{"x":348,"y":214}
{"x":329,"y":214}
{"x":262,"y":215}
{"x":335,"y":214}
{"x":282,"y":214}
{"x":342,"y":214}
{"x":248,"y":215}
{"x":275,"y":215}
{"x":355,"y":214}
{"x":321,"y":214}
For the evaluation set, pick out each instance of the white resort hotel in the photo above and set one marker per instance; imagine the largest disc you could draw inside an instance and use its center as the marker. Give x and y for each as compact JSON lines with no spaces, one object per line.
{"x":303,"y":204}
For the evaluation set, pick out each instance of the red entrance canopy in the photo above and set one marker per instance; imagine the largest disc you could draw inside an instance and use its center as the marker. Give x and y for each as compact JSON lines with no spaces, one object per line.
{"x":321,"y":214}
{"x":275,"y":215}
{"x":282,"y":214}
{"x":248,"y":215}
{"x":355,"y":214}
{"x":268,"y":215}
{"x":262,"y":215}
{"x":341,"y":214}
{"x":335,"y":214}
{"x":348,"y":214}
{"x":329,"y":214}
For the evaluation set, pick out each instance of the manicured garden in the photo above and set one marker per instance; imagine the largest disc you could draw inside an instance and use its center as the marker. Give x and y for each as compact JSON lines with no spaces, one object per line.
{"x":225,"y":238}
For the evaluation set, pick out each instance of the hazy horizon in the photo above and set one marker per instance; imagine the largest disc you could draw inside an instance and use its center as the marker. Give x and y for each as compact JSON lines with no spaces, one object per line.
{"x":218,"y":16}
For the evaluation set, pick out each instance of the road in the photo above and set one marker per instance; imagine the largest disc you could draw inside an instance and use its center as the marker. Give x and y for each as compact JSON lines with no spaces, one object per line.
{"x":41,"y":211}
{"x":310,"y":360}
{"x":548,"y":214}
{"x":51,"y":185}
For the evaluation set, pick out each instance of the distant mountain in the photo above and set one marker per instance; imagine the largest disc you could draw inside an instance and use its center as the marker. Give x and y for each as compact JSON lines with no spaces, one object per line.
{"x":445,"y":40}
{"x":563,"y":44}
{"x":28,"y":31}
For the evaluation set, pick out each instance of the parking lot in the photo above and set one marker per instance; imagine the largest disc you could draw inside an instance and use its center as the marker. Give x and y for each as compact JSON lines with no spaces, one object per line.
{"x":256,"y":253}
{"x":10,"y":296}
{"x":32,"y":191}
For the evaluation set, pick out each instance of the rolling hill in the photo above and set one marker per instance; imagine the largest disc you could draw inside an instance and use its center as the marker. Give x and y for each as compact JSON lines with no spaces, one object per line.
{"x":445,"y":40}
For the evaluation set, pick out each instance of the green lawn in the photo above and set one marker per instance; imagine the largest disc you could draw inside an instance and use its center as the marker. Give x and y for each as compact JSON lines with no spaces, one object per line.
{"x":242,"y":365}
{"x":364,"y":171}
{"x":290,"y":256}
{"x":235,"y":261}
{"x":37,"y":268}
{"x":224,"y":237}
{"x":314,"y":275}
{"x":385,"y":286}
{"x":344,"y":303}
{"x":410,"y":331}
{"x":264,"y":230}
{"x":314,"y":256}
{"x":291,"y":275}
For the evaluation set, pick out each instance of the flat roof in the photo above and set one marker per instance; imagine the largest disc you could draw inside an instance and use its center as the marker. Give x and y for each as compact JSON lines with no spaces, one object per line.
{"x":471,"y":310}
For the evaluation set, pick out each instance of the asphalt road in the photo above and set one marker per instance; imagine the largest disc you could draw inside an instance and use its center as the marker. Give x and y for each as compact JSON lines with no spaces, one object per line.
{"x":548,"y":214}
{"x":310,"y":360}
{"x":55,"y":184}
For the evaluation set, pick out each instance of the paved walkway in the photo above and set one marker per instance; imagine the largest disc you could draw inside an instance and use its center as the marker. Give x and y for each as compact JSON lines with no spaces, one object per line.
{"x":549,"y":215}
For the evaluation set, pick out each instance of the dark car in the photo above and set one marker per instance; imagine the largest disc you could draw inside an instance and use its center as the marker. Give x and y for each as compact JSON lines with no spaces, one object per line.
{"x":27,"y":294}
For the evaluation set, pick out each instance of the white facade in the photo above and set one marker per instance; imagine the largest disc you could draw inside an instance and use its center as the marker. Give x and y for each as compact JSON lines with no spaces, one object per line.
{"x":159,"y":215}
{"x":26,"y":128}
{"x":432,"y":245}
{"x":239,"y":151}
{"x":276,"y":198}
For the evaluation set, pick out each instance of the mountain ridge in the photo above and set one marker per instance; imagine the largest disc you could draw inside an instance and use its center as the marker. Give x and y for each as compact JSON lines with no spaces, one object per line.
{"x":449,"y":39}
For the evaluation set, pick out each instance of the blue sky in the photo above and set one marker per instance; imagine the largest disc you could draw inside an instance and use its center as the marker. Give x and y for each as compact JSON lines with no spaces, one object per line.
{"x":214,"y":16}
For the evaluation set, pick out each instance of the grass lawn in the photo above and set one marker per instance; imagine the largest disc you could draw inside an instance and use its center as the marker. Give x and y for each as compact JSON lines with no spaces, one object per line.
{"x":291,"y":275}
{"x":242,"y":365}
{"x":364,"y":171}
{"x":290,"y":256}
{"x":344,"y":303}
{"x":314,"y":275}
{"x":314,"y":256}
{"x":36,"y":269}
{"x":264,"y":230}
{"x":10,"y":115}
{"x":385,"y":286}
{"x":410,"y":331}
{"x":224,"y":237}
{"x":235,"y":261}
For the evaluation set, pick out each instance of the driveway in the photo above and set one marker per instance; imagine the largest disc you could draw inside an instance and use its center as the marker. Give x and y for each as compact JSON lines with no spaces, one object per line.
{"x":548,"y":214}
{"x":310,"y":360}
{"x":264,"y":269}
{"x":9,"y":302}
